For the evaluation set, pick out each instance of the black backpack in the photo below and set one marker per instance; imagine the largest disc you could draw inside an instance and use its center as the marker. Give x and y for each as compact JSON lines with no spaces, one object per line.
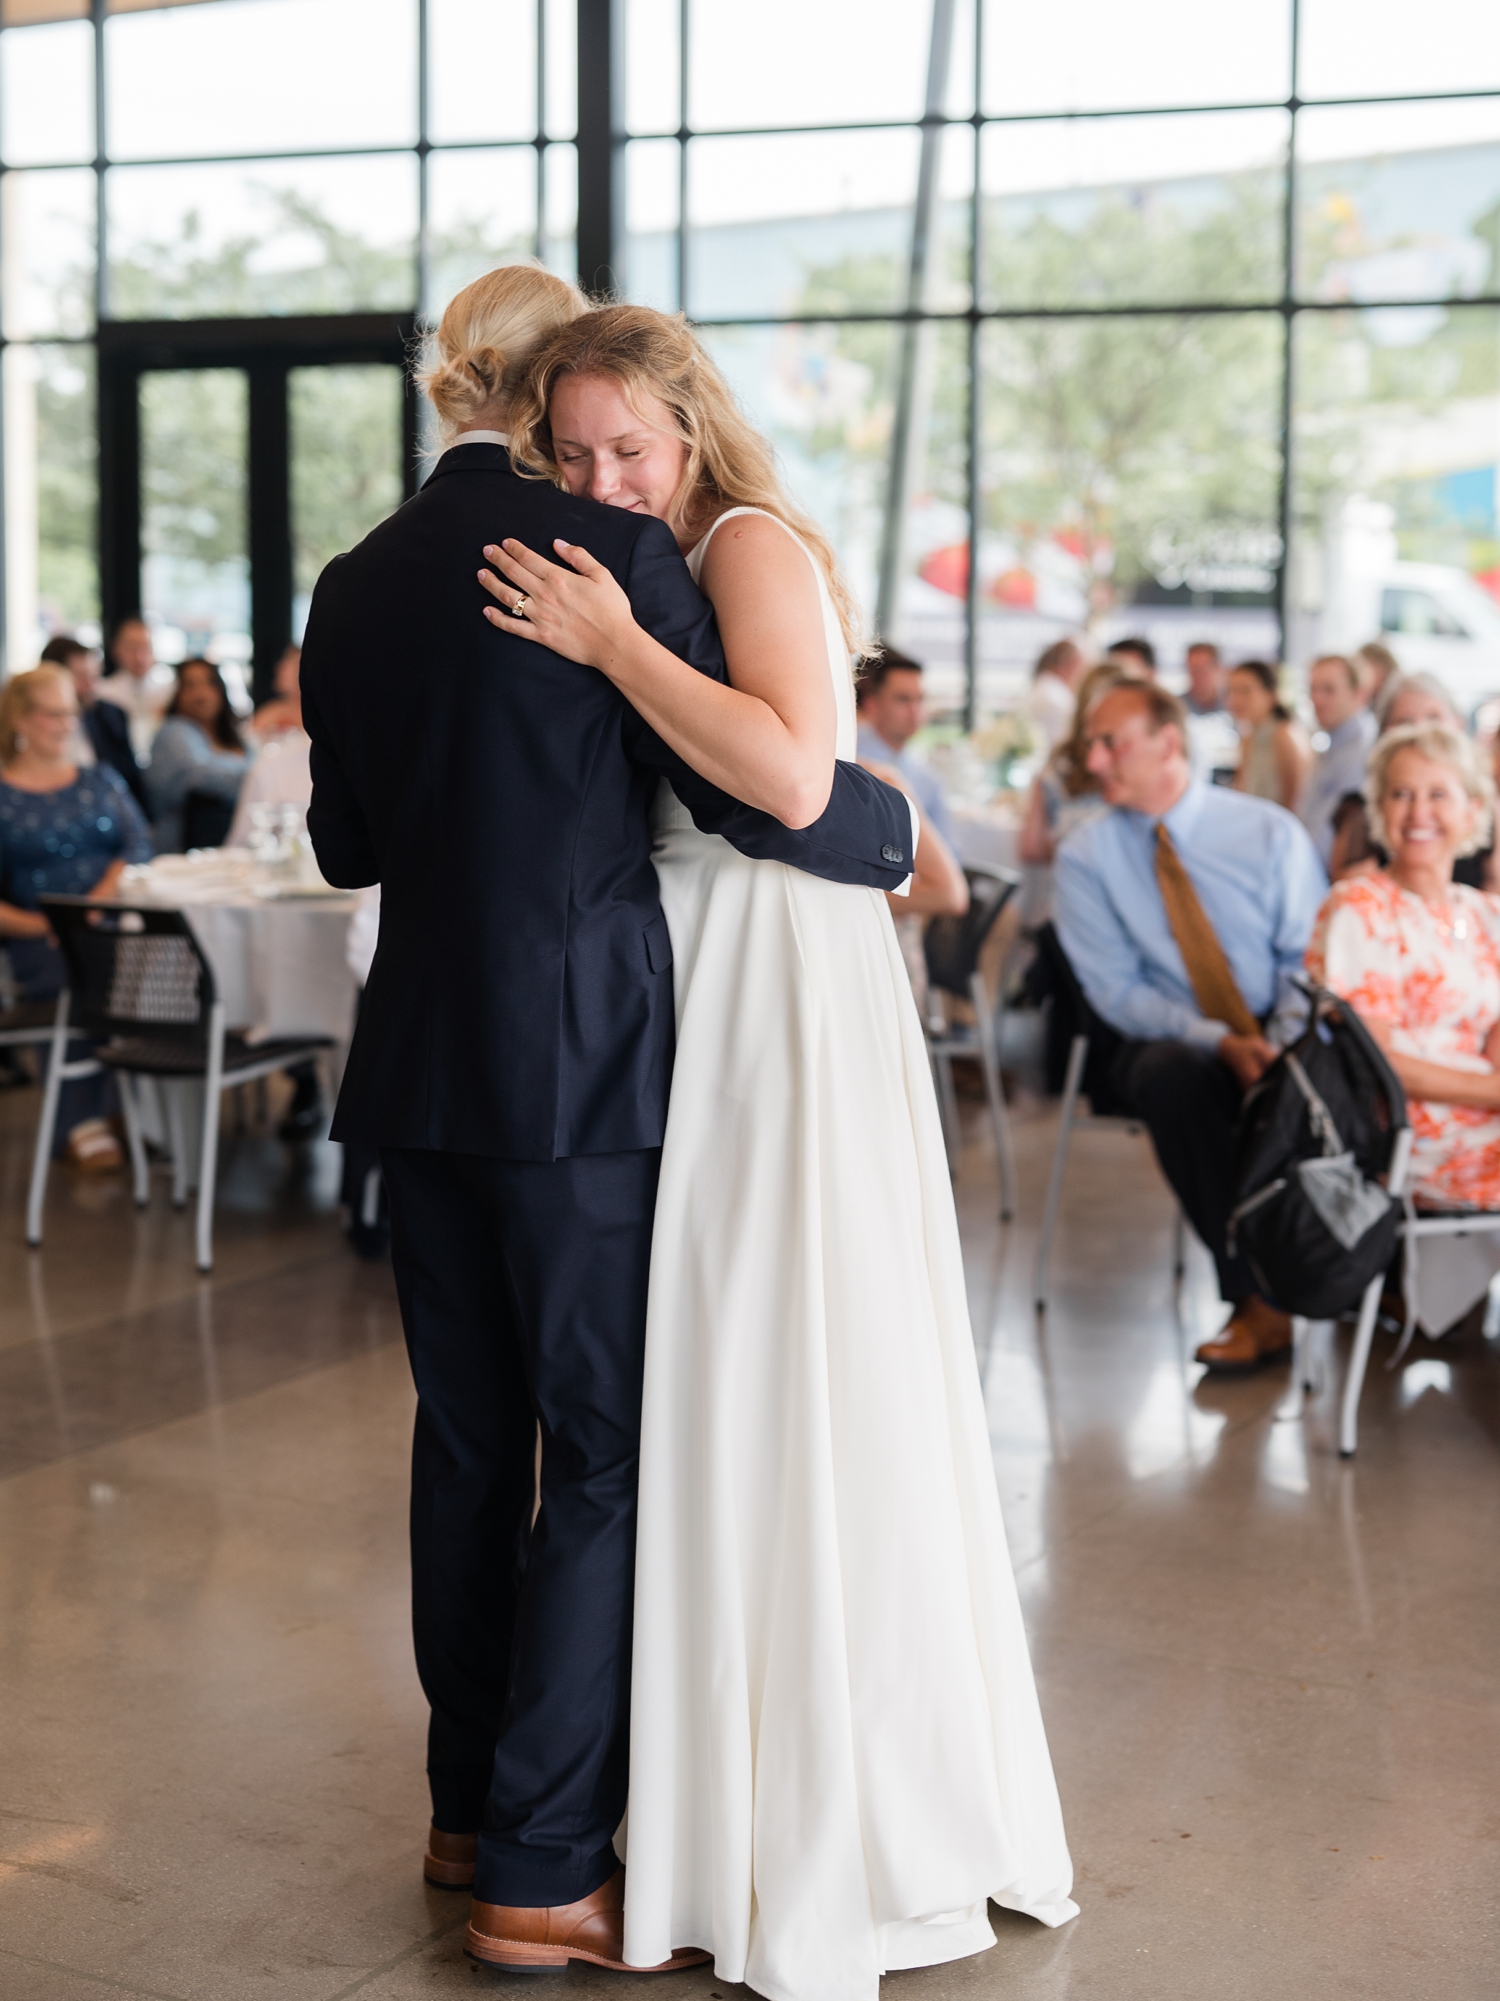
{"x":1314,"y":1136}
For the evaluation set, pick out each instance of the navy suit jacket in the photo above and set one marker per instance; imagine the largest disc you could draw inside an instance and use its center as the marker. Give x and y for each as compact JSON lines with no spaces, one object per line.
{"x":520,"y":1003}
{"x":108,"y":729}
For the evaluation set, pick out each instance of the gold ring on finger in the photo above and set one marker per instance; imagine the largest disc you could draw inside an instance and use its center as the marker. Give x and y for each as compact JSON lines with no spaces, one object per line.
{"x":518,"y":609}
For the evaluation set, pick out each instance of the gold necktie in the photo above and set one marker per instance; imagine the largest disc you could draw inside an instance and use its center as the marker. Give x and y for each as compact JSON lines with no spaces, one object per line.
{"x":1214,"y":985}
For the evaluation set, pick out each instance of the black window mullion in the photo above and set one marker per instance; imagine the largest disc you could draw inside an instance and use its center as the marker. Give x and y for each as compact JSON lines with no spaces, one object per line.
{"x":601,"y":61}
{"x":269,"y":519}
{"x":1288,"y":342}
{"x":424,"y":254}
{"x":101,"y":161}
{"x":684,"y":22}
{"x":541,"y":130}
{"x":974,"y":413}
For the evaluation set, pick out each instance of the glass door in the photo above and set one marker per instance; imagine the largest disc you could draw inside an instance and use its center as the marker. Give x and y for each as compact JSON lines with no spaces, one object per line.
{"x":235,"y":458}
{"x":346,"y":465}
{"x":195,"y":546}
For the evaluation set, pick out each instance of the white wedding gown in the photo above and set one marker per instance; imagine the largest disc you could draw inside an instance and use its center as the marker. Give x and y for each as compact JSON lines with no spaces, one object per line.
{"x":836,"y":1752}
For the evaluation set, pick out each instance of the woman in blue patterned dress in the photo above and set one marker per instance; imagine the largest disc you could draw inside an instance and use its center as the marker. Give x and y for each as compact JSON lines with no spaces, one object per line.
{"x":64,"y":831}
{"x":197,"y":749}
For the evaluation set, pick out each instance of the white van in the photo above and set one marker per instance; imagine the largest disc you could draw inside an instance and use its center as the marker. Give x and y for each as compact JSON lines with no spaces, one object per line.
{"x":1433,"y":617}
{"x":1437,"y":620}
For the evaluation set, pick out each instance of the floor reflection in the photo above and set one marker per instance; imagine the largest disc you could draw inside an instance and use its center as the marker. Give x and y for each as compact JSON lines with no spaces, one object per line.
{"x":1169,"y":1427}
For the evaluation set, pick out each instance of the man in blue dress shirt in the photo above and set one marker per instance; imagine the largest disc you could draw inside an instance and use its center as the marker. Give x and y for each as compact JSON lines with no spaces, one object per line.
{"x":1254,"y":876}
{"x":1338,"y":699}
{"x":891,"y":711}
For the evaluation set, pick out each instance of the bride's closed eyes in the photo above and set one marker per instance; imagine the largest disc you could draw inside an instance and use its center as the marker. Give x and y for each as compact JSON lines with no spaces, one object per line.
{"x":607,"y":452}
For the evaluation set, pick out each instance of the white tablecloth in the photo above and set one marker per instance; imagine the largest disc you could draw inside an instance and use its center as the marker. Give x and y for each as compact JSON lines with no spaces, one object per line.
{"x":278,"y":965}
{"x":988,"y":836}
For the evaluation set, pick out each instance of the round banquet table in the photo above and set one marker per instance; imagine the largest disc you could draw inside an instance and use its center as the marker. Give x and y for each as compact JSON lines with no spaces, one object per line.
{"x":988,"y":836}
{"x":274,"y":937}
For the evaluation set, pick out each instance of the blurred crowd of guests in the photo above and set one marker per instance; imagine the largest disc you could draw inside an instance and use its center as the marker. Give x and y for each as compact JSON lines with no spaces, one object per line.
{"x":106,"y":763}
{"x":1195,"y":859}
{"x":192,"y":765}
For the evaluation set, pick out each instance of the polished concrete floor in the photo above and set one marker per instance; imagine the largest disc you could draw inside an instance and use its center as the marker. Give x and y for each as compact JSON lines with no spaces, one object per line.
{"x":1272,"y":1680}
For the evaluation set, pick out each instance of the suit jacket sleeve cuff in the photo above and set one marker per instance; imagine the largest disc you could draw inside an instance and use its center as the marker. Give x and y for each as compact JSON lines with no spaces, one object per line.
{"x":904,"y":888}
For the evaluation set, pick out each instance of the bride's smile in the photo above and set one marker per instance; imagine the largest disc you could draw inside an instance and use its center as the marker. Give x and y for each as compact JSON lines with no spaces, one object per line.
{"x":615,"y":454}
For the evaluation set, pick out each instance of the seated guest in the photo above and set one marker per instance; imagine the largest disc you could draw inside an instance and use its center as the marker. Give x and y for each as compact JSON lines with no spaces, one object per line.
{"x":1408,"y":700}
{"x":1053,"y":695}
{"x":891,"y":711}
{"x":279,"y":775}
{"x":1134,"y":652}
{"x":63,"y":832}
{"x":1419,"y":956}
{"x":1274,"y":755}
{"x":1205,"y":674}
{"x":197,"y":749}
{"x":938,"y":888}
{"x":284,"y":710}
{"x":137,"y":682}
{"x":103,"y":733}
{"x":1352,"y":852}
{"x":1416,"y":698}
{"x":1185,"y":911}
{"x":1063,"y":794}
{"x":1378,"y":667}
{"x":1214,"y":742}
{"x":1338,"y":701}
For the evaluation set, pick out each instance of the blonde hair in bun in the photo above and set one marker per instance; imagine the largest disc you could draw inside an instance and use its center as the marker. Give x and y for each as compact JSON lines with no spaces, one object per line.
{"x":486,"y":337}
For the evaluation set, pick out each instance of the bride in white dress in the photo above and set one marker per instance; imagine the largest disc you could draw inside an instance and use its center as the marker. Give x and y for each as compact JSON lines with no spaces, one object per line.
{"x":836,"y":1752}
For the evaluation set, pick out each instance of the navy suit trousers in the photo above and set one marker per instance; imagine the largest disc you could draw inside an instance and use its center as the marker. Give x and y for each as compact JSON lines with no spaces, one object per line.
{"x":523,"y":1296}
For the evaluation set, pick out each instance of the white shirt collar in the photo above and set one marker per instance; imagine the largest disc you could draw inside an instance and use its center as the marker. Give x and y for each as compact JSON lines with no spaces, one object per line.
{"x":482,"y":438}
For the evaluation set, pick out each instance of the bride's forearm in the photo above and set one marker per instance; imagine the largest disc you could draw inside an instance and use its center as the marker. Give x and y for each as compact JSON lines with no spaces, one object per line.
{"x":734,"y":740}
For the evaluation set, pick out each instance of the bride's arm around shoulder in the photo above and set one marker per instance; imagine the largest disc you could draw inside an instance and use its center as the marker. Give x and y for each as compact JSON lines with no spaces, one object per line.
{"x":768,"y":738}
{"x":764,"y":591}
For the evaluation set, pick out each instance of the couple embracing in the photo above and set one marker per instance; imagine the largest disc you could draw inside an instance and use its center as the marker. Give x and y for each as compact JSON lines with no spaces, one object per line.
{"x":703,"y":1508}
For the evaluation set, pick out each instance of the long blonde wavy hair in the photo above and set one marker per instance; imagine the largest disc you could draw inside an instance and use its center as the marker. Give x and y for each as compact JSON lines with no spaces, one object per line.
{"x":487,"y":336}
{"x":728,"y":463}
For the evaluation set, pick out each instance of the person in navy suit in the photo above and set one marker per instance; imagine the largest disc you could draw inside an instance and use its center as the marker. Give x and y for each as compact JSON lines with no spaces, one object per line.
{"x":104,"y":725}
{"x":511,"y":1062}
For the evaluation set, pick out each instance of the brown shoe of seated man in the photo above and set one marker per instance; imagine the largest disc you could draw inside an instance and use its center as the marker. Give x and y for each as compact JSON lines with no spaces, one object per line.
{"x":449,"y":1861}
{"x":593,"y":1929}
{"x":1253,"y":1335}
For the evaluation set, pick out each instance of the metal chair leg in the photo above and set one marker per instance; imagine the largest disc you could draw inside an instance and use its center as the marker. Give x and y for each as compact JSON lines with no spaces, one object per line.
{"x":1304,"y":1374}
{"x":948,"y":1106}
{"x":133,"y":1138}
{"x":177,"y":1139}
{"x":1077,"y":1056}
{"x":1359,"y":1361}
{"x":213,"y":1085}
{"x":1179,"y":1245}
{"x":989,"y":1058}
{"x":46,"y":1125}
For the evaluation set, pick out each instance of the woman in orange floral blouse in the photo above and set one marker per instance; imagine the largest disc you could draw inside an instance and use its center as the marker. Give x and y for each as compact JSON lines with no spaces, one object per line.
{"x":1419,"y":956}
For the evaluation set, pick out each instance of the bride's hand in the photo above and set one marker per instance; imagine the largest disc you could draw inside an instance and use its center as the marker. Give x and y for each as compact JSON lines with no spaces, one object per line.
{"x":580,"y":612}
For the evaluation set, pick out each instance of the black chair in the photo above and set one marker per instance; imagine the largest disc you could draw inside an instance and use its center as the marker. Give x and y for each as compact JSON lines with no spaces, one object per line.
{"x":1092,"y":1047}
{"x":142,"y":989}
{"x":35,"y":1025}
{"x":206,"y":820}
{"x":952,"y":947}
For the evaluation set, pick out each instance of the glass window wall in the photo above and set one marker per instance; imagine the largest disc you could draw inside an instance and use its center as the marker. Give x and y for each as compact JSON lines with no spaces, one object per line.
{"x":254,"y":158}
{"x":1168,"y":320}
{"x":1187,"y":233}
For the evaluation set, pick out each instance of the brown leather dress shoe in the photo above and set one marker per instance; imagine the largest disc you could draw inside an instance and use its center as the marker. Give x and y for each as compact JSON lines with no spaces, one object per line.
{"x":449,"y":1861}
{"x":1253,"y":1335}
{"x":592,"y":1929}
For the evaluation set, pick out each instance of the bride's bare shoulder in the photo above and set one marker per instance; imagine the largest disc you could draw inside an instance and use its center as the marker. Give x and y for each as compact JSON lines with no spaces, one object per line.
{"x":756,"y":550}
